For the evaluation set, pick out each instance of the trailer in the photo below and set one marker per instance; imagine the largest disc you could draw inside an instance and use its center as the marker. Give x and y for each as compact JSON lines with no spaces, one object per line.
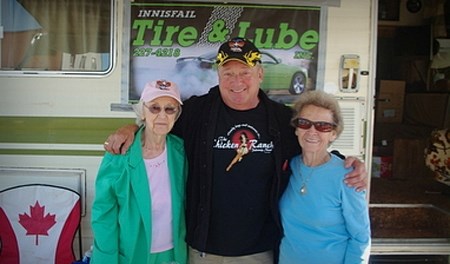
{"x":62,"y":96}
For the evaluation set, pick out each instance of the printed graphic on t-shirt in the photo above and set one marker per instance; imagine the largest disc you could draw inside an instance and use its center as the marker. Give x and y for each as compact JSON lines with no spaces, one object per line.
{"x":244,"y":139}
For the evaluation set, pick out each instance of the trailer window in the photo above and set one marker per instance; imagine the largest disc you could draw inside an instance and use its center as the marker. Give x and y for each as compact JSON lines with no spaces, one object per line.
{"x":56,"y":36}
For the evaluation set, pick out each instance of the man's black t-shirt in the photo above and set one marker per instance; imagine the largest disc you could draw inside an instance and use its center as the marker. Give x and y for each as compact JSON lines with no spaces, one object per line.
{"x":241,"y":221}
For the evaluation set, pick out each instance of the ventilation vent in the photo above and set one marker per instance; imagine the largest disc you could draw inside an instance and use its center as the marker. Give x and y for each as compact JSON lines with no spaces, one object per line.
{"x":350,"y":142}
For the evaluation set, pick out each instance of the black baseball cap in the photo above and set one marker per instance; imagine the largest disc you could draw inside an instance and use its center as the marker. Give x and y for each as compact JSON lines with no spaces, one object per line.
{"x":238,"y":49}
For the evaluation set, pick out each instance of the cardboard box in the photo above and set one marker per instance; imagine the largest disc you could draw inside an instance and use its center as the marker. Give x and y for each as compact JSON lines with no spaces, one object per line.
{"x":382,"y":166}
{"x":409,"y":159}
{"x":390,"y":100}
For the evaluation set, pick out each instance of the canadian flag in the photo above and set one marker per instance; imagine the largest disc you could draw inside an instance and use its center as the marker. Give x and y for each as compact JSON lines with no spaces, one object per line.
{"x":38,"y":224}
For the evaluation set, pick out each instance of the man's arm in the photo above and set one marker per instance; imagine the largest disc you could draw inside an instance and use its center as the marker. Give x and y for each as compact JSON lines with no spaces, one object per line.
{"x":119,"y":141}
{"x":358,"y":177}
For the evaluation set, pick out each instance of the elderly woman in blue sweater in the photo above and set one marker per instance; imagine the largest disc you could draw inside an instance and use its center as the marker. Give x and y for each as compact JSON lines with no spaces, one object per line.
{"x":324,"y":220}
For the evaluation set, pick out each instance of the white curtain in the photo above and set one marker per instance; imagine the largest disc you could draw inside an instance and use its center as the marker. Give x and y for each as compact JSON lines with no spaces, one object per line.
{"x":38,"y":33}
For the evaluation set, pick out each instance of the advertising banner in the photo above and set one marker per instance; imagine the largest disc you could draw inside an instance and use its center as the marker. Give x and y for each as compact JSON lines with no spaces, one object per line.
{"x":179,"y":42}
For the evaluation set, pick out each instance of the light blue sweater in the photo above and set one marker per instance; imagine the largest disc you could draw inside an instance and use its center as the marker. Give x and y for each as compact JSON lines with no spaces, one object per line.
{"x":330,"y":223}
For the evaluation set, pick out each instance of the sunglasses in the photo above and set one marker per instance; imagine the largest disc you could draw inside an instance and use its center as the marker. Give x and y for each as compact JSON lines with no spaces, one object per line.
{"x":320,"y":126}
{"x":156,"y":109}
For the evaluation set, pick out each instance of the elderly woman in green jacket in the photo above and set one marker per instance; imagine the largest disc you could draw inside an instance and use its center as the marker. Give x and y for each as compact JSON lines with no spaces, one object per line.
{"x":138,"y":211}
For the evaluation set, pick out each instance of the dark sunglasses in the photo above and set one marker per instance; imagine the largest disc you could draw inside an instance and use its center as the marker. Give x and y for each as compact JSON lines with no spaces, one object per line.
{"x":307,"y":124}
{"x":156,"y":109}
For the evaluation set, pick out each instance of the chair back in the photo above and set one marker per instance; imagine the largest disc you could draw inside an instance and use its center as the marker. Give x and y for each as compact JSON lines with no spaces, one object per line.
{"x":38,"y":224}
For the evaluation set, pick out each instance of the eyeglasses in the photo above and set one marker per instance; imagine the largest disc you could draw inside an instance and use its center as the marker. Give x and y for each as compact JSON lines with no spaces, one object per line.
{"x":320,"y":126}
{"x":156,"y":109}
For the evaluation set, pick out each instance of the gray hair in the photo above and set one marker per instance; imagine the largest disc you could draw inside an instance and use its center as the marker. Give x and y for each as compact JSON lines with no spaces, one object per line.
{"x":138,"y":109}
{"x":324,"y":100}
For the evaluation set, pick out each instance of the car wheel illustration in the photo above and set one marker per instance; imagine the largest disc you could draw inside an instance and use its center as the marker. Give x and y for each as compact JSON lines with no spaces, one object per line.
{"x":298,"y":83}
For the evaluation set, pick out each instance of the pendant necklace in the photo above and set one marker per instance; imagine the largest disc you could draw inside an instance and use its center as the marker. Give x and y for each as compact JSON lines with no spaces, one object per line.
{"x":303,"y":189}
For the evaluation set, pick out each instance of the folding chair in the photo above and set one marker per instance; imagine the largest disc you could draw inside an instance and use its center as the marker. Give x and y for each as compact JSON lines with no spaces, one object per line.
{"x":38,"y":224}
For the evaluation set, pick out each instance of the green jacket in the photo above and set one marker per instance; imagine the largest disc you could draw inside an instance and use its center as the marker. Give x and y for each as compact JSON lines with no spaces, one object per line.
{"x":121,"y":213}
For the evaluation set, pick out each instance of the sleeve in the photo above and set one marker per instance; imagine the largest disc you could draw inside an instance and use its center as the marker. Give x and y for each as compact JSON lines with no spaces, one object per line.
{"x":105,"y":214}
{"x":182,"y":120}
{"x":356,"y":215}
{"x":337,"y":153}
{"x":177,"y":127}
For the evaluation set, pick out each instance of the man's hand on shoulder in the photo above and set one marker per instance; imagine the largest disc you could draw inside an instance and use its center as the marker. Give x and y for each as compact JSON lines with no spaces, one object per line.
{"x":358,"y":177}
{"x":121,"y":139}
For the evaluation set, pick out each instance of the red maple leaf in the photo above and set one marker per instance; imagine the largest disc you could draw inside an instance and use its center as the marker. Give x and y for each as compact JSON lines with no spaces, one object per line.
{"x":37,"y":224}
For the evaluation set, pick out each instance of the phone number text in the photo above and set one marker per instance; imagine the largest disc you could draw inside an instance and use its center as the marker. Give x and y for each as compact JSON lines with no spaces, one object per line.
{"x":159,"y":52}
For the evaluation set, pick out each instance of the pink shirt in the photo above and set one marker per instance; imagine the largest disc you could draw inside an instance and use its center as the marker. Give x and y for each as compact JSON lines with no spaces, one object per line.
{"x":159,"y":181}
